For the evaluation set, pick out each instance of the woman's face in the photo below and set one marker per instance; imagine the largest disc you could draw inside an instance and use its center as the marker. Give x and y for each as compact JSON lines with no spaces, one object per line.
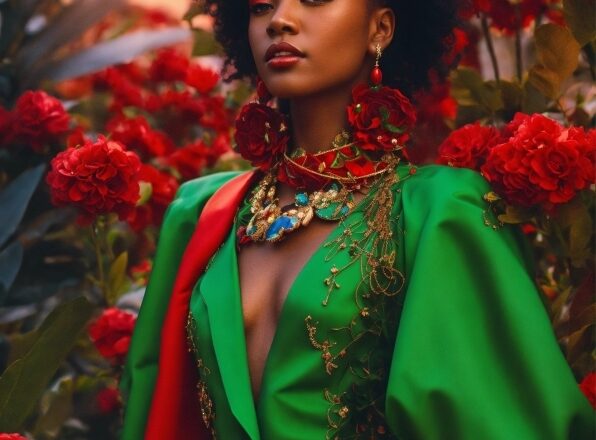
{"x":306,"y":47}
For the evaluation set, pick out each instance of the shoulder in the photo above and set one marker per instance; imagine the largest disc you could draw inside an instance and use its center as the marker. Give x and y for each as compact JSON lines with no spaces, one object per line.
{"x":447,"y":199}
{"x":192,"y":195}
{"x":436,"y":185}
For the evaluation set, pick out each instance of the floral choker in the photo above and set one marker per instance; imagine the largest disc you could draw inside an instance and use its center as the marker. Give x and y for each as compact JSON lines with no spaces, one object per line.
{"x":380,"y":118}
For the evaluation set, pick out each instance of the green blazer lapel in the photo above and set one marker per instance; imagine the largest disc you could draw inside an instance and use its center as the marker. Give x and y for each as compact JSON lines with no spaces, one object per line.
{"x":220,"y":289}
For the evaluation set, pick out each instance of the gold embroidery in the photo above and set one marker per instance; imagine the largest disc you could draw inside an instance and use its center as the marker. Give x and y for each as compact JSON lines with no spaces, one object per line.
{"x":492,"y":199}
{"x":207,"y":407}
{"x":371,"y":244}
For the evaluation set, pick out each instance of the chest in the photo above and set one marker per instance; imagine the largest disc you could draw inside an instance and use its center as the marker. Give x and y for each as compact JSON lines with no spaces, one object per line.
{"x":268,"y":271}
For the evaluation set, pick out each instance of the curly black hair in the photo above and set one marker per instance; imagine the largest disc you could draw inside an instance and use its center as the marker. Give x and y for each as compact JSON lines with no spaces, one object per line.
{"x":423,"y":35}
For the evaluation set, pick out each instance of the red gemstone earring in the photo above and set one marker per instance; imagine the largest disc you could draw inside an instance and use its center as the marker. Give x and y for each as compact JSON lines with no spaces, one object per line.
{"x":376,"y":76}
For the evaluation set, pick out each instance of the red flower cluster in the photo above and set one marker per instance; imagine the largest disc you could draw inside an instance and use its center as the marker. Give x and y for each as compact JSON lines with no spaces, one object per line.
{"x":108,"y":400}
{"x":111,"y":333}
{"x":380,"y":117}
{"x":37,"y":120}
{"x":163,"y":190}
{"x":534,"y":161}
{"x":97,"y":178}
{"x":588,"y":387}
{"x":468,"y":147}
{"x":169,"y":66}
{"x":261,"y":135}
{"x":137,"y":134}
{"x":542,"y":162}
{"x":508,"y":16}
{"x":4,"y":436}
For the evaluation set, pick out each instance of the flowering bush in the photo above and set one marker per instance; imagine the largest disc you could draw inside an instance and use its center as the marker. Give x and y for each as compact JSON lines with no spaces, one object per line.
{"x":114,"y":146}
{"x":532,"y":138}
{"x":111,"y":333}
{"x":542,"y":163}
{"x":132,"y":132}
{"x":37,"y":120}
{"x":97,"y":178}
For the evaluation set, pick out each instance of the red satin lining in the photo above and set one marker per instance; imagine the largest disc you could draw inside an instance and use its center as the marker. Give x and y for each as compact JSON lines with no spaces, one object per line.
{"x":175,"y":412}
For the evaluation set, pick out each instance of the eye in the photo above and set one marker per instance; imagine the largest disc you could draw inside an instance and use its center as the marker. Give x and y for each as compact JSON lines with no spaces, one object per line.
{"x":257,"y":7}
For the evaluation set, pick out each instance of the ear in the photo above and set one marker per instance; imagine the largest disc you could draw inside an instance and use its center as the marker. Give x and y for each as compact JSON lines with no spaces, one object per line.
{"x":382,"y":29}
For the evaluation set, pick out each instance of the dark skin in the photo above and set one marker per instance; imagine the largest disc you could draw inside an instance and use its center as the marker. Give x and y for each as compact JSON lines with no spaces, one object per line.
{"x":318,"y":88}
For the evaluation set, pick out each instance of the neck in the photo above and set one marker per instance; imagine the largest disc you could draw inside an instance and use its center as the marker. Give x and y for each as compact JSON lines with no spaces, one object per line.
{"x":317,"y":120}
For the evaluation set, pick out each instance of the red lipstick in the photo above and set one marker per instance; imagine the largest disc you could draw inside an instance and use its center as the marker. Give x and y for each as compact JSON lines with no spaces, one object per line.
{"x":282,"y":55}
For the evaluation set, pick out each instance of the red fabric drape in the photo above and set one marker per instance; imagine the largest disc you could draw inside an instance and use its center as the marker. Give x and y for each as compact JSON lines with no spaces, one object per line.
{"x":175,"y":411}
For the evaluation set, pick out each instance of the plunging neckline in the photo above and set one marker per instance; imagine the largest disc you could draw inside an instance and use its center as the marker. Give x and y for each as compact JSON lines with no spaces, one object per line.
{"x":288,"y":297}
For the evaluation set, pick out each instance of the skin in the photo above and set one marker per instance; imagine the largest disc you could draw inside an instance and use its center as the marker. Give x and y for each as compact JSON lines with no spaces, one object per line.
{"x":336,"y":58}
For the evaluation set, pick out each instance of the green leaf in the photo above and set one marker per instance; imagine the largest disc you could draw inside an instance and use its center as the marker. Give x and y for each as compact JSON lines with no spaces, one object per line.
{"x":580,"y":16}
{"x":197,"y":7}
{"x":469,"y":89}
{"x":512,"y":95}
{"x":392,"y":128}
{"x":533,"y":100}
{"x":204,"y":43}
{"x":384,"y":114}
{"x":57,"y":407}
{"x":515,"y":215}
{"x":117,"y":278}
{"x":11,"y":259}
{"x":119,"y":50}
{"x":24,"y":381}
{"x":146,"y":190}
{"x":71,"y":22}
{"x":557,"y":55}
{"x":14,"y":200}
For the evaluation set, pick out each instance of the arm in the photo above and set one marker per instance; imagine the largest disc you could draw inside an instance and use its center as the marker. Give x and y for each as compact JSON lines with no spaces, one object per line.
{"x":475,"y":356}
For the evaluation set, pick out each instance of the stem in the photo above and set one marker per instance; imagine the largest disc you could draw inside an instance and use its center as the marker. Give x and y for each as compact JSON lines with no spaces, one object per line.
{"x":518,"y":48}
{"x":491,"y":48}
{"x":99,"y":261}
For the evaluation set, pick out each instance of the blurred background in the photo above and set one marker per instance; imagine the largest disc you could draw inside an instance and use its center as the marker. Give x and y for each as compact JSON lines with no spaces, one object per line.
{"x":108,"y":106}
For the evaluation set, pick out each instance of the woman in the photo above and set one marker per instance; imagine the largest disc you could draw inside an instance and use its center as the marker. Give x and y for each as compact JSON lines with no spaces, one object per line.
{"x":337,"y":291}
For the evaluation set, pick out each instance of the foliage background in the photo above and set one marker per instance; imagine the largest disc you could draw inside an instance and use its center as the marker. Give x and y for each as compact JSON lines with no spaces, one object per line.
{"x":69,"y":289}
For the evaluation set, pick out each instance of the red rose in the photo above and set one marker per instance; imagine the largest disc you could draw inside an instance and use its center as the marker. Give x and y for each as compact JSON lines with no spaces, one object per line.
{"x":4,"y":436}
{"x":111,"y":333}
{"x":169,"y":65}
{"x":468,"y":146}
{"x":261,"y":135}
{"x":108,"y":400}
{"x":39,"y":119}
{"x":163,"y":190}
{"x":588,"y":387}
{"x":381,"y":118}
{"x":541,"y":163}
{"x":137,"y":134}
{"x":97,"y":178}
{"x":201,"y":78}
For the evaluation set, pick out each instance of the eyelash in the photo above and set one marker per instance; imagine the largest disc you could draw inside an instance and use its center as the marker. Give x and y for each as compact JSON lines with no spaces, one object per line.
{"x":261,"y":8}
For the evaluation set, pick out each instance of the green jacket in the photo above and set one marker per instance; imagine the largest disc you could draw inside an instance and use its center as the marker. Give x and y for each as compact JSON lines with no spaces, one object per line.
{"x":464,"y":351}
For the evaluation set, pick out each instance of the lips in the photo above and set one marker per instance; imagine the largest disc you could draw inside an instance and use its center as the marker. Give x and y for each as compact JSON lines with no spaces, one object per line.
{"x":282,"y":51}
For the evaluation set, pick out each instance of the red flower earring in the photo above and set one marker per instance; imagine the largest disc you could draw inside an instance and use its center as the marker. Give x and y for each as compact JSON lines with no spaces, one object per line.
{"x":376,"y":76}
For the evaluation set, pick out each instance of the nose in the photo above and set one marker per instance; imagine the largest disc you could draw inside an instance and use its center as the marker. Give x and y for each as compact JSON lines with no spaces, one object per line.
{"x":282,"y":21}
